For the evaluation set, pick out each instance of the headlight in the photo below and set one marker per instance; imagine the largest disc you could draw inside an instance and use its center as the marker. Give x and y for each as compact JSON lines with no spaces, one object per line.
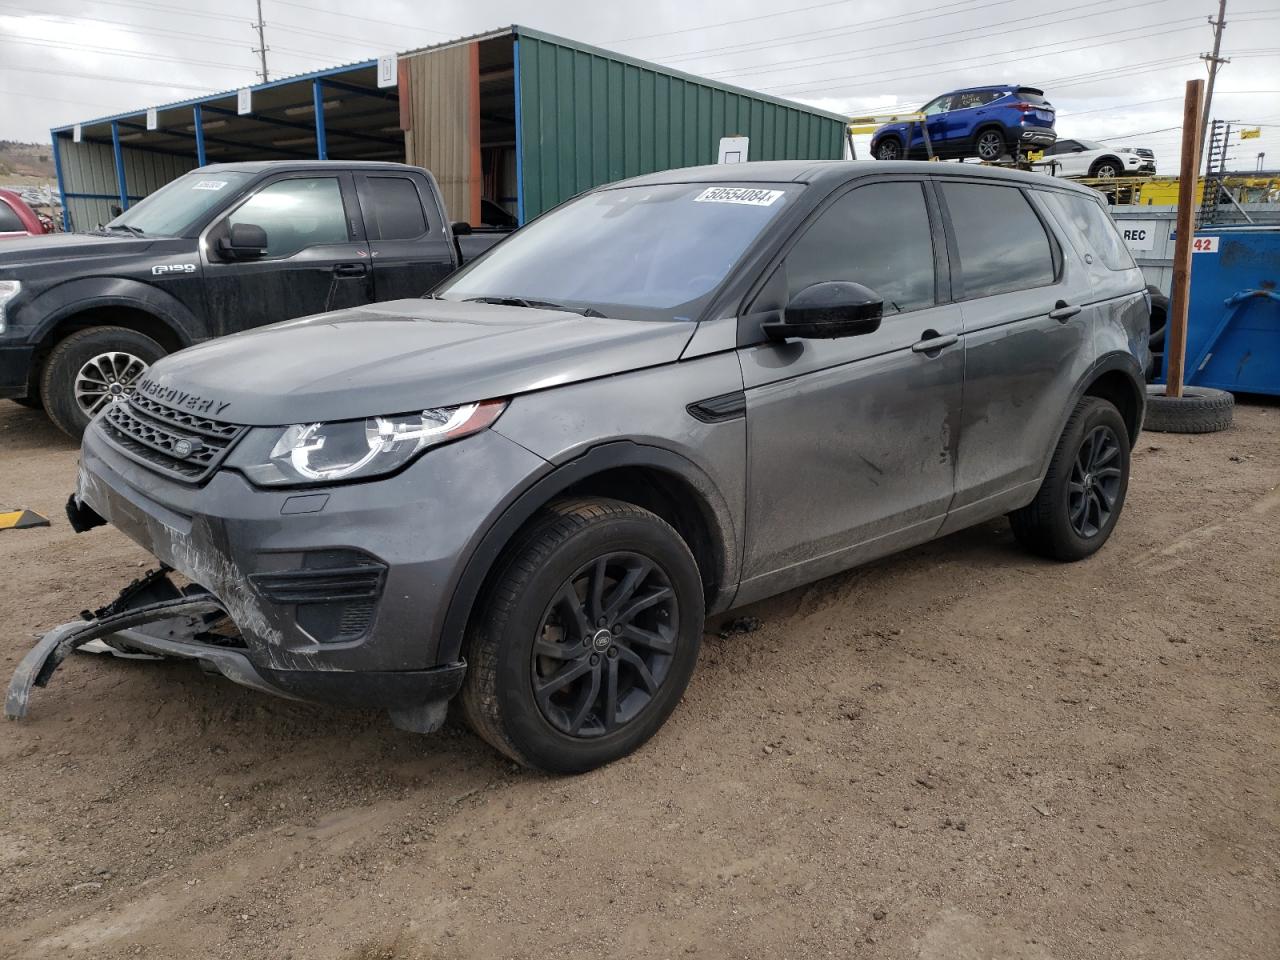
{"x":358,"y":449}
{"x":8,"y":290}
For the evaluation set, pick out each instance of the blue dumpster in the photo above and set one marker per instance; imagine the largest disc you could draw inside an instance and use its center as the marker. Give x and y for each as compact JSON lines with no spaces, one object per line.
{"x":1233,"y":325}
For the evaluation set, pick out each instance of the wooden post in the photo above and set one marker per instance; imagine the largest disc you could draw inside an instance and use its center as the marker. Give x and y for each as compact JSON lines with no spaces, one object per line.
{"x":1176,"y":339}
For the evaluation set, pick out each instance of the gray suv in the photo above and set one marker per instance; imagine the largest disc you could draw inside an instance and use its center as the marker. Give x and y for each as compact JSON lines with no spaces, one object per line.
{"x":669,"y":397}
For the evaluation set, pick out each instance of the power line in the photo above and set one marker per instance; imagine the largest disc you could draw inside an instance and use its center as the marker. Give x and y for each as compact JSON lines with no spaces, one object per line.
{"x":167,"y":84}
{"x":128,"y":54}
{"x":365,"y":19}
{"x":780,"y":13}
{"x":1147,"y":103}
{"x":982,"y":59}
{"x":914,"y":44}
{"x":866,"y":26}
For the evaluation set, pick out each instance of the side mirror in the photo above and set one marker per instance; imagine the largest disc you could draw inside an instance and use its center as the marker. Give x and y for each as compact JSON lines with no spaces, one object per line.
{"x":245,"y":241}
{"x":824,"y":311}
{"x":461,"y":229}
{"x":115,"y":210}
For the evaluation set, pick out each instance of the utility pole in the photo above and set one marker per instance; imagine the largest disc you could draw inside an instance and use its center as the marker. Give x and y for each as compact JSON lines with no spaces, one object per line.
{"x":1214,"y":62}
{"x":1176,"y":337}
{"x":262,"y":48}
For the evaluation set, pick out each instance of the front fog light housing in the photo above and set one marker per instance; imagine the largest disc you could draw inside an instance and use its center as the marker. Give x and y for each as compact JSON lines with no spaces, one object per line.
{"x":358,"y":449}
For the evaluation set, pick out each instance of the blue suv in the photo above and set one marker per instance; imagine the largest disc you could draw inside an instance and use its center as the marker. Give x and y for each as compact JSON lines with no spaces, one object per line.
{"x":983,"y":122}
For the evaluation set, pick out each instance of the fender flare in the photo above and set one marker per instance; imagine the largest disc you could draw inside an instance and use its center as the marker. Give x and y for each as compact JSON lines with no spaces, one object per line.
{"x":65,"y":300}
{"x":1108,"y":156}
{"x":727,"y":549}
{"x":1108,"y":362}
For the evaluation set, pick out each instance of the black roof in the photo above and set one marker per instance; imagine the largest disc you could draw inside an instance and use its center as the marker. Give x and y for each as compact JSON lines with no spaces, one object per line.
{"x":833,"y":172}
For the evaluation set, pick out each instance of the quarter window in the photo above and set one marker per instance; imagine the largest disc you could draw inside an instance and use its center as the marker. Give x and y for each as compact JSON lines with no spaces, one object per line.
{"x":877,"y":235}
{"x":1003,"y":244}
{"x":392,"y":208}
{"x":1091,"y":229}
{"x":296,"y":214}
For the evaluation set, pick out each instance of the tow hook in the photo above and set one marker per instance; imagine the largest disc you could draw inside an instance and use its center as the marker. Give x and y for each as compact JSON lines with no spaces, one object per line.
{"x":189,"y":614}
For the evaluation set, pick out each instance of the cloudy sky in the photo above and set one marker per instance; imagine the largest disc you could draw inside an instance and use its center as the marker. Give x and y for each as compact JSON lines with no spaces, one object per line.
{"x":1113,"y":68}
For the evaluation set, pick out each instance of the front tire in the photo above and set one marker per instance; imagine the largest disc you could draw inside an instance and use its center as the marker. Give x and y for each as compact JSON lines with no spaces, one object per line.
{"x":586,"y":638}
{"x":1105,"y":170}
{"x":1083,"y":492}
{"x":90,"y":370}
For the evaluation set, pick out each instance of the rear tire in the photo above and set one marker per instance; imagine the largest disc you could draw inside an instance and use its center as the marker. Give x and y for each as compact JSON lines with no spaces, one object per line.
{"x":1083,"y":492}
{"x":90,"y":370}
{"x":990,"y":145}
{"x":889,"y":149}
{"x":574,"y":598}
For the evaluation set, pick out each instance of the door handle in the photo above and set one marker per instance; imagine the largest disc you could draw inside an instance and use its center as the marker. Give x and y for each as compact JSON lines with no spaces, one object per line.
{"x":1062,"y":312}
{"x":350,"y":270}
{"x":931,"y":341}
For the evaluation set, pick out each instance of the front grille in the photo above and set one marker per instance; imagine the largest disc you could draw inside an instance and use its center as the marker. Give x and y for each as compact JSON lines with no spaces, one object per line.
{"x":174,"y":442}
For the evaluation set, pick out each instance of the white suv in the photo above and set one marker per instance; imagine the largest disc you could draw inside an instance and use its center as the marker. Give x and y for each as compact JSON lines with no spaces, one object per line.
{"x":1088,"y":158}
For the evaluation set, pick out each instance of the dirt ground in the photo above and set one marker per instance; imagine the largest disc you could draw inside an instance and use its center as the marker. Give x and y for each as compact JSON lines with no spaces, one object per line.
{"x":961,"y":752}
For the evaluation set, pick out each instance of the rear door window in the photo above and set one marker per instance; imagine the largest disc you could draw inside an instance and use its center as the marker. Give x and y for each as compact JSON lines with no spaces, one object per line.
{"x":1002,"y":243}
{"x":1090,"y":228}
{"x":392,"y":208}
{"x":974,"y":98}
{"x":878,"y":235}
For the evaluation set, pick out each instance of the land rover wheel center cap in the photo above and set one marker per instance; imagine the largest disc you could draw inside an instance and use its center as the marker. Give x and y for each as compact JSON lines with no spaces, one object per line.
{"x":602,"y":640}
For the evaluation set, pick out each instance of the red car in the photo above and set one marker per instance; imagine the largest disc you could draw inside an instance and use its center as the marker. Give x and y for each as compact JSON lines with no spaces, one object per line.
{"x":17,"y":219}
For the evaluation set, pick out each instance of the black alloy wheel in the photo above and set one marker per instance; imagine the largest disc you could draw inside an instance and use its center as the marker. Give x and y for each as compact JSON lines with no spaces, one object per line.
{"x":990,"y":145}
{"x":889,"y":149}
{"x":605,"y":645}
{"x":1083,"y":491}
{"x":585,"y":638}
{"x":1095,"y":482}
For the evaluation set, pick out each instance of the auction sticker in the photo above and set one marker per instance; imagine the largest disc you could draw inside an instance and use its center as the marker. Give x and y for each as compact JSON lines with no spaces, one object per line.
{"x":748,"y":195}
{"x":209,"y":185}
{"x":1205,"y":245}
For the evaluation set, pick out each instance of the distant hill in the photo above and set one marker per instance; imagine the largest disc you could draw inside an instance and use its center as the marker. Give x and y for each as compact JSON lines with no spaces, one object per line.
{"x":26,"y":160}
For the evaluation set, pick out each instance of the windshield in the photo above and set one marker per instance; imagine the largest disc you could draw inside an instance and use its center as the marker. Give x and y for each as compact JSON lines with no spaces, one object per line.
{"x":644,"y":253}
{"x":176,"y":206}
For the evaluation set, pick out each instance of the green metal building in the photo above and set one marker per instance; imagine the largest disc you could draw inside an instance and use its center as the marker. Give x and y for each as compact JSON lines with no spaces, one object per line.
{"x":514,"y":117}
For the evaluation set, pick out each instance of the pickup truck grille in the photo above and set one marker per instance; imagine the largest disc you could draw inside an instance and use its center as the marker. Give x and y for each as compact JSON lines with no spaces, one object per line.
{"x":173,"y":442}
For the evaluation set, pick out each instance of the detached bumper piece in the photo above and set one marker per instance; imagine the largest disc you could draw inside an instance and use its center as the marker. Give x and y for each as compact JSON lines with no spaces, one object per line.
{"x":152,"y":616}
{"x":37,"y":667}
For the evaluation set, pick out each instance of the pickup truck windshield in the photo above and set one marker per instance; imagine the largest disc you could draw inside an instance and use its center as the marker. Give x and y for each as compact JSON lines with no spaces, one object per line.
{"x":643,"y":253}
{"x":175,"y":207}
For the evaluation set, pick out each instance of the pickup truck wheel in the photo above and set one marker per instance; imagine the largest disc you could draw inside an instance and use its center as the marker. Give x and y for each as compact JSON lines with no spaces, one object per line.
{"x":1083,"y":492}
{"x":586,"y":639}
{"x":92,"y":369}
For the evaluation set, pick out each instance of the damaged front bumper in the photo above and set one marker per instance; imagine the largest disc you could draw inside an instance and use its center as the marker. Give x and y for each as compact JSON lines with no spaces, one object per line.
{"x":196,"y":626}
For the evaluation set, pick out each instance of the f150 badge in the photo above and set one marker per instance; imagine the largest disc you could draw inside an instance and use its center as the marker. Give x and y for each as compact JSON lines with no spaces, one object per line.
{"x":163,"y":268}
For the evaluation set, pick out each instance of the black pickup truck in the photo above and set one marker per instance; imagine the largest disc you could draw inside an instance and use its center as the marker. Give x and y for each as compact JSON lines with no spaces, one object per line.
{"x":224,"y":248}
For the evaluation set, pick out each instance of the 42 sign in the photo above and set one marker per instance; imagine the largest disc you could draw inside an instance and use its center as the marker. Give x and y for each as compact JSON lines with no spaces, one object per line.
{"x":1204,"y":244}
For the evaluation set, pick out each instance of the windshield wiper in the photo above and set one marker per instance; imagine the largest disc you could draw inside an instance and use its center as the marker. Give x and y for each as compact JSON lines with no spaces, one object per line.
{"x":124,"y":226}
{"x":536,"y":305}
